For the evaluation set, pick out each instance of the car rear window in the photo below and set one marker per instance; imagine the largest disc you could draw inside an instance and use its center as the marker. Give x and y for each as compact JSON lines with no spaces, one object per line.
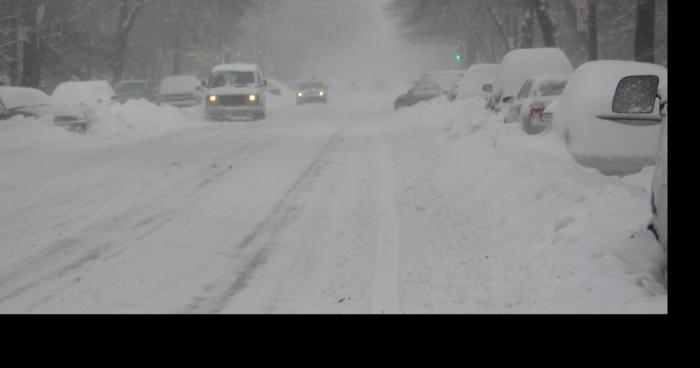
{"x":552,"y":88}
{"x":636,"y":95}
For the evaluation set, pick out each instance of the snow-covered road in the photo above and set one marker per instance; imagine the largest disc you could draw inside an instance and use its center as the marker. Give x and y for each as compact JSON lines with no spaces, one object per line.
{"x":345,"y":208}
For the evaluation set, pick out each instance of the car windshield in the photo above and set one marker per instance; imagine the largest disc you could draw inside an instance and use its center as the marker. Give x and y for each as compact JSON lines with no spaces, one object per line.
{"x":130,"y":88}
{"x":231,"y":78}
{"x":552,"y":88}
{"x":312,"y":85}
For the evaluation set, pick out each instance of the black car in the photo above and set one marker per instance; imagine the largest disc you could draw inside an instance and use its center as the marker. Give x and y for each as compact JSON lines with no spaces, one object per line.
{"x":312,"y":91}
{"x":423,"y":91}
{"x":133,"y":90}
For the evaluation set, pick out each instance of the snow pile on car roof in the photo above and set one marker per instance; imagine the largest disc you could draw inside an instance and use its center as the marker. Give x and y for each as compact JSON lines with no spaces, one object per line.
{"x":475,"y":78}
{"x":518,"y":65}
{"x":236,"y":67}
{"x":83,"y":95}
{"x":179,"y":84}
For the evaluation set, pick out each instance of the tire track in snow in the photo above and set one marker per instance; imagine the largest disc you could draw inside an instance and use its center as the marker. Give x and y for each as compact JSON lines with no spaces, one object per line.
{"x":284,"y":214}
{"x":385,"y":281}
{"x":65,"y":255}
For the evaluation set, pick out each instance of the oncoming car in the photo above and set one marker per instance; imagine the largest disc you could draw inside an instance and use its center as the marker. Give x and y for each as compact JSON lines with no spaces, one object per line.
{"x":236,"y":90}
{"x":312,"y":91}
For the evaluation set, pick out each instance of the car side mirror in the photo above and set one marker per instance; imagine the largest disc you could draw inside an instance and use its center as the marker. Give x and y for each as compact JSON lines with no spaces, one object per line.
{"x":488,"y":88}
{"x":508,"y":99}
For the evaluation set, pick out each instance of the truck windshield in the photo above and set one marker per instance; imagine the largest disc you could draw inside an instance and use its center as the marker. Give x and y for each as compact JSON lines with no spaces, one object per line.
{"x":231,"y":78}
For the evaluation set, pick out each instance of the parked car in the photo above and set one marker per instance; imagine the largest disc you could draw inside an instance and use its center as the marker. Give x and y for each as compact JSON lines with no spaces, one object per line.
{"x":423,"y":91}
{"x":85,"y":96}
{"x":275,"y":87}
{"x":312,"y":91}
{"x":609,"y":115}
{"x":448,"y":80}
{"x":478,"y":81}
{"x":535,"y":96}
{"x":181,"y":91}
{"x":236,"y":90}
{"x":659,"y":187}
{"x":133,"y":90}
{"x":20,"y":101}
{"x":519,"y":65}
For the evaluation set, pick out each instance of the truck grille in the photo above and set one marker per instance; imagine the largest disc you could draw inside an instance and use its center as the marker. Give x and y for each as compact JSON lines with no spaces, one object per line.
{"x":233,"y":101}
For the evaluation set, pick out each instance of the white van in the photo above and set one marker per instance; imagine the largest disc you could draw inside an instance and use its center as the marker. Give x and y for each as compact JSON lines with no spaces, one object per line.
{"x":236,"y":90}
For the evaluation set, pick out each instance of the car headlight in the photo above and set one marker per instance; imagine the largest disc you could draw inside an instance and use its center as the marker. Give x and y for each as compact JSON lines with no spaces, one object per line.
{"x":252,"y":98}
{"x":300,"y":94}
{"x":321,"y":93}
{"x":212,"y":99}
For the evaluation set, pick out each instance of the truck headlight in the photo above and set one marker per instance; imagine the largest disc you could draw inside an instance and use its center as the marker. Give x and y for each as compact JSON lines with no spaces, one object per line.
{"x":252,"y":98}
{"x":211,"y":99}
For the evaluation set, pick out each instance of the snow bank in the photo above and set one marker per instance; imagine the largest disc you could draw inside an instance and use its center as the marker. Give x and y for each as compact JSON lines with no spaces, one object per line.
{"x":109,"y":123}
{"x":140,"y":119}
{"x":538,"y":233}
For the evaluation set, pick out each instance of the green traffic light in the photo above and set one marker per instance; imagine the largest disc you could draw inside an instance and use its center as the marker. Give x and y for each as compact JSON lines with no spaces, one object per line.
{"x":458,"y":57}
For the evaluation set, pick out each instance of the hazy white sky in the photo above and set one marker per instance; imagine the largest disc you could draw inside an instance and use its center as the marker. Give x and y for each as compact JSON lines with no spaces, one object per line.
{"x":381,"y":52}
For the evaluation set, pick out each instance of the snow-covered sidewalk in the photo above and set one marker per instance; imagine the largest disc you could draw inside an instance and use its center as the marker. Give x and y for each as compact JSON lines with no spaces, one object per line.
{"x":495,"y":221}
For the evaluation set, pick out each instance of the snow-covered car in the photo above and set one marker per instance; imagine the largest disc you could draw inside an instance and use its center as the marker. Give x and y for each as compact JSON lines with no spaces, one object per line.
{"x":659,"y":187}
{"x":478,"y":81}
{"x":448,"y":80}
{"x":275,"y":87}
{"x":312,"y":91}
{"x":535,"y":96}
{"x":20,"y":101}
{"x":181,"y":91}
{"x":423,"y":91}
{"x":609,"y":115}
{"x":519,"y":65}
{"x":236,"y":90}
{"x":133,"y":90}
{"x":84,"y":96}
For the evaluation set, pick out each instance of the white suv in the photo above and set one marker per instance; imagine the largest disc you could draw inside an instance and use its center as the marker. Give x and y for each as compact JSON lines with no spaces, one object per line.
{"x":236,"y":90}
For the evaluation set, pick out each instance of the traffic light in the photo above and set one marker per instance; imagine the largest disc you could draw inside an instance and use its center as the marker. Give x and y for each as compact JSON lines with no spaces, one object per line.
{"x":458,"y":57}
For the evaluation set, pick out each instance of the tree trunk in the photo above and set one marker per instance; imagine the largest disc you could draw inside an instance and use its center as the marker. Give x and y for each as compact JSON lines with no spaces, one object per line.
{"x":15,"y":45}
{"x":645,"y":32}
{"x":127,"y":19}
{"x":571,"y":14}
{"x":31,"y":63}
{"x":546,"y":22}
{"x":527,"y":29}
{"x":177,"y":62}
{"x":592,"y":30}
